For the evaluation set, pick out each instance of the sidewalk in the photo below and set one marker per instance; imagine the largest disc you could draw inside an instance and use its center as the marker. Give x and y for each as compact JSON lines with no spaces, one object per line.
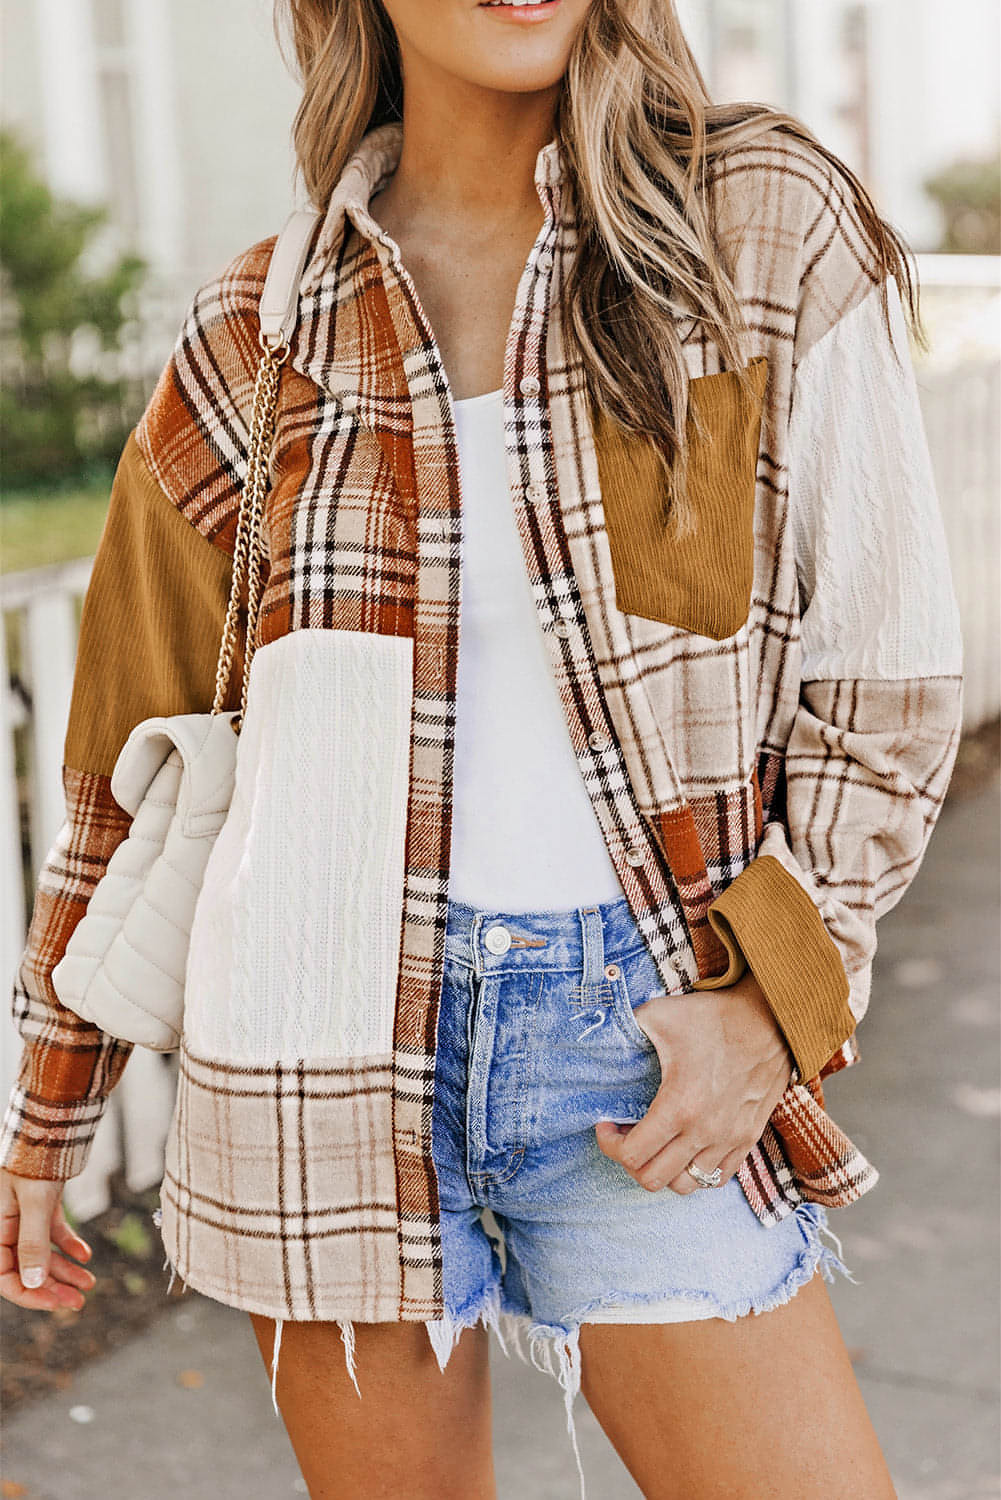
{"x":922,"y":1323}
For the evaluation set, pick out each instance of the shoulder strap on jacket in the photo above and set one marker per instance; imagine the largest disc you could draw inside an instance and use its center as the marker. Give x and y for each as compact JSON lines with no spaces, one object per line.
{"x":279,"y":304}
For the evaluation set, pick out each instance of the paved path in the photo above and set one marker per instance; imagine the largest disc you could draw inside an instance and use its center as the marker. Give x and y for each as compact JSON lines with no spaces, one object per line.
{"x":922,"y":1323}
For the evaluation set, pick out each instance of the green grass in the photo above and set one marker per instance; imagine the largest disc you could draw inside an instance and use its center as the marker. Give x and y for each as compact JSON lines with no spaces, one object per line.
{"x":43,"y":528}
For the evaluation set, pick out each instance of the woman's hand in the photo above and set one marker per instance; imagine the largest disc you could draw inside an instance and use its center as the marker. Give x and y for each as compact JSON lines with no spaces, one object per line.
{"x":31,"y":1215}
{"x":725,"y":1064}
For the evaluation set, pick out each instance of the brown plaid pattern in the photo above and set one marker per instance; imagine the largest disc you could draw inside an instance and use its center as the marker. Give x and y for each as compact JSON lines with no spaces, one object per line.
{"x":68,"y":1067}
{"x":310,"y":1191}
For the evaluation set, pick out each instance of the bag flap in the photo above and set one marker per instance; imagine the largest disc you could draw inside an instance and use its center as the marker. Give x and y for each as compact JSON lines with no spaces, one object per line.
{"x":207,"y":746}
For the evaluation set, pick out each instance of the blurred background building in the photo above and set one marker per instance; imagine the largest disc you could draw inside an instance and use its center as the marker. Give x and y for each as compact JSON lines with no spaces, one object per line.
{"x":174,"y":113}
{"x":900,"y":89}
{"x":178,"y":115}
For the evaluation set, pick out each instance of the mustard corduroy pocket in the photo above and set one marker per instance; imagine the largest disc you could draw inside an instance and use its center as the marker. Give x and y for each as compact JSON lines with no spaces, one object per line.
{"x":700,"y":582}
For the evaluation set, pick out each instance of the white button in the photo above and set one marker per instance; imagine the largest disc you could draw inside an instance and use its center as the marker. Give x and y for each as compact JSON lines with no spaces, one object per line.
{"x":634,"y":856}
{"x":599,"y":741}
{"x":498,"y":939}
{"x":561,"y":628}
{"x":349,"y":400}
{"x":546,"y":261}
{"x":536,"y":493}
{"x":568,"y":609}
{"x":529,"y":386}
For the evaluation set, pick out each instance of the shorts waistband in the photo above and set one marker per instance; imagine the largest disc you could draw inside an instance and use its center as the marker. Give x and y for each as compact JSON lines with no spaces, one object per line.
{"x":579,"y":937}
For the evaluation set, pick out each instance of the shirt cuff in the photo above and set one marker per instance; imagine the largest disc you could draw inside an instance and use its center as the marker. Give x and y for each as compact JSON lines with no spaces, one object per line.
{"x":42,"y":1134}
{"x":768,"y":924}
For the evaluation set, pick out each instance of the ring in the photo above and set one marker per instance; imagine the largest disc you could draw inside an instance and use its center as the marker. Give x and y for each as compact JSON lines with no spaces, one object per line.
{"x":705,"y":1179}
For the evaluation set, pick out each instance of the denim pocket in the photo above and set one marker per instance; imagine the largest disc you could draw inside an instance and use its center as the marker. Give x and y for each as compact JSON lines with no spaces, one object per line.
{"x":636,"y":980}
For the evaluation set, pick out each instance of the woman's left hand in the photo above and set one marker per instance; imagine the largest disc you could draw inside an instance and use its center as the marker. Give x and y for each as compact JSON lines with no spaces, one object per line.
{"x":725,"y":1064}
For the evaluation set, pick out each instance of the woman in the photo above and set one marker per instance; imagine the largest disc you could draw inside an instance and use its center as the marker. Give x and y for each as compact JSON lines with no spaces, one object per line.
{"x":598,"y":889}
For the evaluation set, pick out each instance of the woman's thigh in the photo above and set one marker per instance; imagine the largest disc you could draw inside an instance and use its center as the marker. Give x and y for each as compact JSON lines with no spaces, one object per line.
{"x":417,"y":1430}
{"x":766,"y":1406}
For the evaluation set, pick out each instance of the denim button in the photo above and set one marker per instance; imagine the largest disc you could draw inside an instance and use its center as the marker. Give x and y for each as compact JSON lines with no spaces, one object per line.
{"x":529,"y":385}
{"x":634,"y":856}
{"x":498,"y":939}
{"x":611,"y":971}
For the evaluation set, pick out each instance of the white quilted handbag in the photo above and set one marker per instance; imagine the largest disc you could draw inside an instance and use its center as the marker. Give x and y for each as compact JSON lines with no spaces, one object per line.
{"x":124,"y":965}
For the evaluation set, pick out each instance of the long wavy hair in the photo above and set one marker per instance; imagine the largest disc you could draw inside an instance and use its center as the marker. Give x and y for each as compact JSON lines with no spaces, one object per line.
{"x":638,"y":132}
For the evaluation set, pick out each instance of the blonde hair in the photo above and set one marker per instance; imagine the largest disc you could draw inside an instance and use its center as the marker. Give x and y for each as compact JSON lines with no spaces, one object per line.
{"x":638,"y":131}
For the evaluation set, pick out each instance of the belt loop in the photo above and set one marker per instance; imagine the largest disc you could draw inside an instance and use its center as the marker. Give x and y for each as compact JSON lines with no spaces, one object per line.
{"x":474,"y":943}
{"x":594,"y":950}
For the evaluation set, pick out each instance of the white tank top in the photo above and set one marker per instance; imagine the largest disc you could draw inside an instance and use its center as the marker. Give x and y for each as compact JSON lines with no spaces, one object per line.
{"x":525,"y":836}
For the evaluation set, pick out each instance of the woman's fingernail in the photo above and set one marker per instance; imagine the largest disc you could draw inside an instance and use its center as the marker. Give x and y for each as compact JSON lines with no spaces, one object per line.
{"x":32,"y":1276}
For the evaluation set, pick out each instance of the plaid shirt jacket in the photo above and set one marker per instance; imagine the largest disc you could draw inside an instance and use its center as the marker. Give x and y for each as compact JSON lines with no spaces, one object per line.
{"x":762,"y":804}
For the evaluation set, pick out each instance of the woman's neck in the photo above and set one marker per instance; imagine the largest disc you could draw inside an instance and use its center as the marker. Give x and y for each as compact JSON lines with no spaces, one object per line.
{"x":468,"y":154}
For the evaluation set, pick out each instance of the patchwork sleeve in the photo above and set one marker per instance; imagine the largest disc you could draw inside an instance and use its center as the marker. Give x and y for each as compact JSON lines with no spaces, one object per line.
{"x":149,"y":639}
{"x":877,"y":729}
{"x":150,"y":631}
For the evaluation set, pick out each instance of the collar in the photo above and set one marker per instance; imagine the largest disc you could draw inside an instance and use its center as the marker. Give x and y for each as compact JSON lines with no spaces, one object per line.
{"x":365,"y":173}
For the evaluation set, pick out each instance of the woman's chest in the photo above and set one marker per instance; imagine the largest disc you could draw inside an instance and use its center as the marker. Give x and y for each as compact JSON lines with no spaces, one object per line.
{"x":368,"y":523}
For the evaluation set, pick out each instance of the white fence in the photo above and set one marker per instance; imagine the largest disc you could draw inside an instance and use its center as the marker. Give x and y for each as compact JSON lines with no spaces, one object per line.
{"x":962,"y":408}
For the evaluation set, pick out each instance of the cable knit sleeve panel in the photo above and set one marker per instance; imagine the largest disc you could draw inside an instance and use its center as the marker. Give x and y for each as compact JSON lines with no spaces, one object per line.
{"x":876,"y":589}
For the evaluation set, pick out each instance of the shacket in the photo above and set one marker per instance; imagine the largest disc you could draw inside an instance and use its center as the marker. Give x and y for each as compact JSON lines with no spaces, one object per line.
{"x":765,"y":713}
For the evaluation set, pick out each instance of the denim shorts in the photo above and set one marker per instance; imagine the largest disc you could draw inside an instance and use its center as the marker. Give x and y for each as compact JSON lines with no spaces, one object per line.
{"x":537,"y":1041}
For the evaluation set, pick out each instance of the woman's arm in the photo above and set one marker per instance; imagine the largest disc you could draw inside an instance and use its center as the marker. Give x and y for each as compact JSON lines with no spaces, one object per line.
{"x":876,"y":732}
{"x":149,"y":639}
{"x":866,"y":766}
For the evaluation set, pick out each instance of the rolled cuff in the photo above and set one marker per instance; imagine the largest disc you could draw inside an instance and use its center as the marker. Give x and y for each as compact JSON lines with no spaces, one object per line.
{"x":768,"y":924}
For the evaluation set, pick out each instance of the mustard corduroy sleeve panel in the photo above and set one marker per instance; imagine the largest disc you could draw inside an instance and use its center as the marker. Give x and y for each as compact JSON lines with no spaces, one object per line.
{"x":769,"y":924}
{"x":149,"y":638}
{"x":152,"y":620}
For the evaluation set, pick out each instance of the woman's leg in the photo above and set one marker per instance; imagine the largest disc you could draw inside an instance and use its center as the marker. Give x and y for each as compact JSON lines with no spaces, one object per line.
{"x":767,"y":1406}
{"x":416,"y":1431}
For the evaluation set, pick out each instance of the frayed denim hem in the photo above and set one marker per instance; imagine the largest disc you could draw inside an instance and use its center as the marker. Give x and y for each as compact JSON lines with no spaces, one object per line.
{"x":554,"y":1348}
{"x":347,"y":1328}
{"x":444,"y":1331}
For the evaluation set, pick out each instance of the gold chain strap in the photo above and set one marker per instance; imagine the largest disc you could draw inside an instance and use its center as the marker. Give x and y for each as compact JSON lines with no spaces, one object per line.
{"x":247,"y":549}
